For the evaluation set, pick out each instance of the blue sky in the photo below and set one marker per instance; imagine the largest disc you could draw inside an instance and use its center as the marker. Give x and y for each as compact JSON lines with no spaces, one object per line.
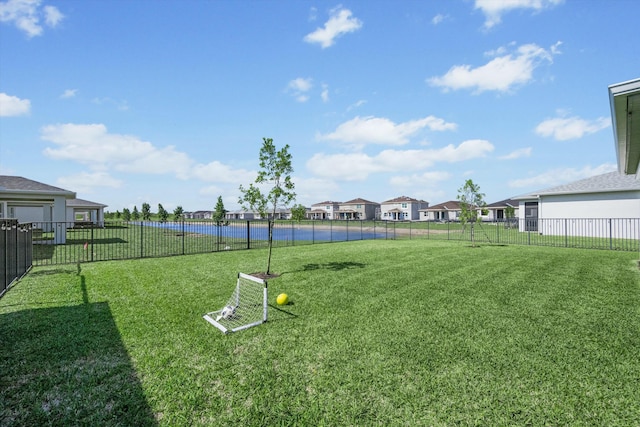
{"x":168,"y":101}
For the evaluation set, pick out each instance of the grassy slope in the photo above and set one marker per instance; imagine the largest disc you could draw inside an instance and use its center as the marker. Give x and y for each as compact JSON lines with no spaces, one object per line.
{"x":379,"y":332}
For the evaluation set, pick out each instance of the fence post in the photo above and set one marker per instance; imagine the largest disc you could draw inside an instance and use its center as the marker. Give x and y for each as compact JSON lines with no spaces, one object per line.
{"x":92,"y":243}
{"x":141,"y":239}
{"x":248,"y":234}
{"x":566,"y":234}
{"x":182,"y":236}
{"x":610,"y":233}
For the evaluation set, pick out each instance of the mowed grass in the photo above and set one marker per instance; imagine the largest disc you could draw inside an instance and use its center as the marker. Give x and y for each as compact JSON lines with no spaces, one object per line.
{"x":378,"y":333}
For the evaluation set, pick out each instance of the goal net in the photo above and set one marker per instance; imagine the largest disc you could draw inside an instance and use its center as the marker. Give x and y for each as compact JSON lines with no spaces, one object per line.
{"x":247,"y":306}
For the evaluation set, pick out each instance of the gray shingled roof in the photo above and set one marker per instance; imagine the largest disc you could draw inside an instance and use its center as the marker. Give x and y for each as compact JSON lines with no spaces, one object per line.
{"x":605,"y":183}
{"x":451,"y":205}
{"x":19,"y":184}
{"x":359,"y":201}
{"x":77,"y":203}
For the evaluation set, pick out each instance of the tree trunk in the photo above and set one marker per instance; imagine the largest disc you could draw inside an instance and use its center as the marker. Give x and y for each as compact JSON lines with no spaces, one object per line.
{"x":270,"y":226}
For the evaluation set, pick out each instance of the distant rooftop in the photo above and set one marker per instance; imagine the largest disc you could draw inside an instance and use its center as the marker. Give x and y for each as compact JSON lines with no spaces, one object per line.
{"x":605,"y":183}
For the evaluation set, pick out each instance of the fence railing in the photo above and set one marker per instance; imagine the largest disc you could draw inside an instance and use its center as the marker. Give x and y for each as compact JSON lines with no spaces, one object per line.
{"x":15,"y":252}
{"x":115,"y":240}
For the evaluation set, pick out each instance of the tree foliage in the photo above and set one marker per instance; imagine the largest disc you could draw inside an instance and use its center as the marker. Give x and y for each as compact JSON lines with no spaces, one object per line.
{"x":275,"y":176}
{"x":220,"y":212}
{"x":162,"y":213}
{"x":146,"y":211}
{"x":178,"y":213}
{"x":126,"y":214}
{"x":472,"y":205}
{"x":135,"y":214}
{"x":298,"y":212}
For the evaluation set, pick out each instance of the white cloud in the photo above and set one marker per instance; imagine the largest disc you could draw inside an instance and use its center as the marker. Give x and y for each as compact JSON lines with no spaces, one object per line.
{"x":52,"y":16}
{"x":426,"y":179}
{"x":325,"y":93}
{"x":27,"y":14}
{"x":219,"y":172}
{"x":299,"y":88}
{"x":438,"y":19}
{"x":380,"y":130}
{"x":494,"y":9}
{"x":563,"y":129}
{"x":340,"y":22}
{"x":561,"y":176}
{"x":500,"y":74}
{"x":13,"y":106}
{"x":93,"y":145}
{"x":357,"y":104}
{"x":358,"y":166}
{"x":69,"y":93}
{"x":87,"y":182}
{"x":517,"y":154}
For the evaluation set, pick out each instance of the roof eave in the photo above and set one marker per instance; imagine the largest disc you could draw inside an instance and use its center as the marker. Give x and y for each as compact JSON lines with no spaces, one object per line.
{"x":624,"y":98}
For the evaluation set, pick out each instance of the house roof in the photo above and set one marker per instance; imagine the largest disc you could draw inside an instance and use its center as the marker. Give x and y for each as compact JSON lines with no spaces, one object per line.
{"x":624,"y":99}
{"x":451,"y":205}
{"x":326,"y":203}
{"x":605,"y":183}
{"x":359,"y":201}
{"x":404,"y":199}
{"x":80,"y":203}
{"x":18,"y":184}
{"x":503,"y":203}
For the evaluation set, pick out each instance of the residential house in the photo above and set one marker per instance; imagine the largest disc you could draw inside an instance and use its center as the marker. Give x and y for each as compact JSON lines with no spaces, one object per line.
{"x":325,"y":210}
{"x":447,"y":211}
{"x":241,"y":214}
{"x":85,"y":211}
{"x":402,"y":209}
{"x":358,"y":209}
{"x":35,"y":202}
{"x":498,"y":211}
{"x":607,"y":196}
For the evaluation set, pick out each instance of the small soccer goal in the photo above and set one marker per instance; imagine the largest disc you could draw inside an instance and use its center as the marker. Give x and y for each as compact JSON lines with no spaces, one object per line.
{"x":247,"y":306}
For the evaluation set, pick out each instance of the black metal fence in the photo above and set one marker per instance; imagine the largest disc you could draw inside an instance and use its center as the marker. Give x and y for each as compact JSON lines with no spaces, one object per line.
{"x":127,"y":240}
{"x":15,"y":252}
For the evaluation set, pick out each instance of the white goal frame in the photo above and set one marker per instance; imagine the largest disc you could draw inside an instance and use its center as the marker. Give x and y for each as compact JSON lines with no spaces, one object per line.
{"x":249,"y":301}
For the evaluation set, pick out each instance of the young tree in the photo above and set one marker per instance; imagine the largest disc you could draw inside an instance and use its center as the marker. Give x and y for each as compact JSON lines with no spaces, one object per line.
{"x":162,"y":213}
{"x":135,"y":215}
{"x":146,"y":211}
{"x":471,"y":205}
{"x":178,"y":213}
{"x":275,"y":174}
{"x":220,"y":212}
{"x":510,"y":214}
{"x":298,"y":212}
{"x":126,"y":214}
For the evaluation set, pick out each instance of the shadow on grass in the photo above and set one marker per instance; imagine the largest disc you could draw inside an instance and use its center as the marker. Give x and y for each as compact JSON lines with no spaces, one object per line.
{"x":279,"y":314}
{"x":68,"y":366}
{"x":333,"y":266}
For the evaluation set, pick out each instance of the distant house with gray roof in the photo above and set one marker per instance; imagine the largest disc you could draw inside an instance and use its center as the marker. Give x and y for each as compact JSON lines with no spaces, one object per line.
{"x":608,"y":196}
{"x":402,"y":208}
{"x":358,"y":209}
{"x":325,"y":210}
{"x":446,"y":211}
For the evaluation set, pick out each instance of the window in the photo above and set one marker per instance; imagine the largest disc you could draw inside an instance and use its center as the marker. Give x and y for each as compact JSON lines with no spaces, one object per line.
{"x":328,"y":207}
{"x":404,"y":205}
{"x":358,"y":206}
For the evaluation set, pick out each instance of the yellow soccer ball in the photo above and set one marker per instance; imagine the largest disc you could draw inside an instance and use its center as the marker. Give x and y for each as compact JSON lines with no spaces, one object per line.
{"x":282,"y":299}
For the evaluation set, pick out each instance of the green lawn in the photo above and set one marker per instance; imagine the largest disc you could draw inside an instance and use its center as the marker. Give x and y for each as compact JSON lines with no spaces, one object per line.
{"x":385,"y":332}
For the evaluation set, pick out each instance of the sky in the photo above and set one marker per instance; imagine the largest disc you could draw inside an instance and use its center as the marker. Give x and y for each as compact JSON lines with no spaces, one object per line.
{"x":167,"y":102}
